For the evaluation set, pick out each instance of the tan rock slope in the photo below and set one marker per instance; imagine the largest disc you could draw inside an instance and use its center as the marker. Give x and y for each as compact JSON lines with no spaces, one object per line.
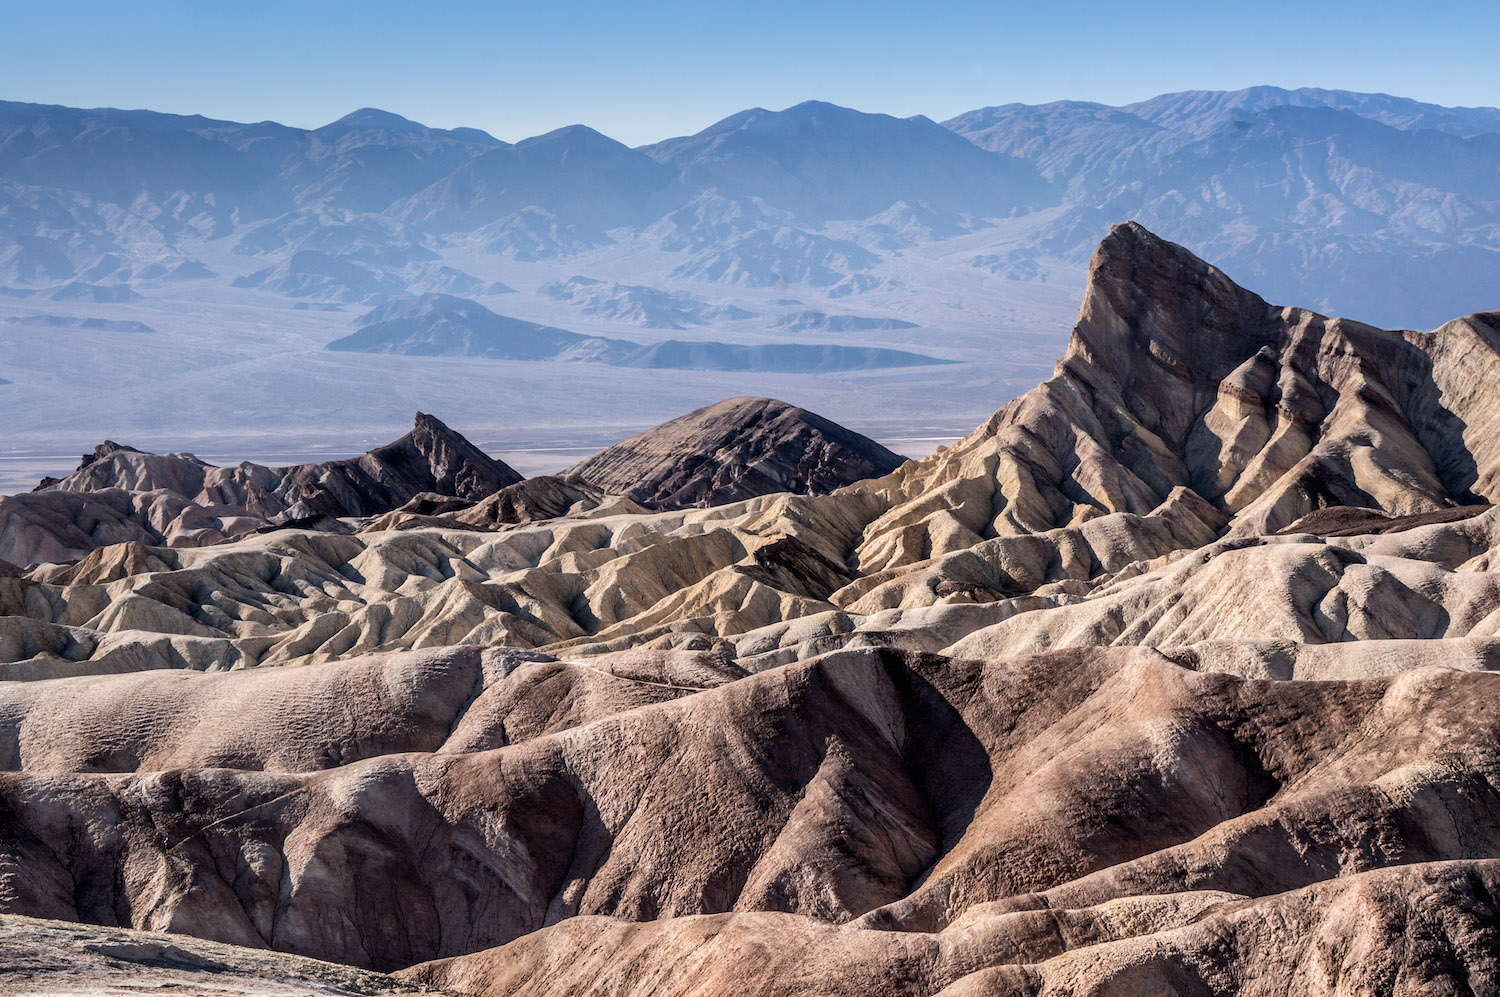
{"x":1176,"y":677}
{"x":1177,"y":378}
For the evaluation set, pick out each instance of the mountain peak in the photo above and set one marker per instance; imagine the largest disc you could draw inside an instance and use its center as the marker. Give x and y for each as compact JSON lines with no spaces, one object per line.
{"x":757,"y":445}
{"x":1159,"y":290}
{"x":573,"y":136}
{"x":818,"y":107}
{"x":430,"y":424}
{"x":440,"y":459}
{"x":373,"y":118}
{"x":1163,"y":325}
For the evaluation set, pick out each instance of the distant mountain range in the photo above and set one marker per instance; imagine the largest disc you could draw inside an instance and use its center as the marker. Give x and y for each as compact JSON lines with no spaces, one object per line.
{"x":440,"y":325}
{"x":1364,"y":204}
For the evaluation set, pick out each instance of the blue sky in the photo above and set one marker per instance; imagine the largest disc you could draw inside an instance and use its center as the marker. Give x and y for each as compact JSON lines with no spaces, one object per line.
{"x":645,"y":71}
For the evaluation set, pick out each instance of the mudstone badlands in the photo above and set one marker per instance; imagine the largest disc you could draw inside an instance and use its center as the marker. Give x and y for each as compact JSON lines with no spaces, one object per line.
{"x":1176,"y":676}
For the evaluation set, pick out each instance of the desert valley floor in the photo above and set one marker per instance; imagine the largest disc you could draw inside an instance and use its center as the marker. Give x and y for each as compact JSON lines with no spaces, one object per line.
{"x":1178,"y":675}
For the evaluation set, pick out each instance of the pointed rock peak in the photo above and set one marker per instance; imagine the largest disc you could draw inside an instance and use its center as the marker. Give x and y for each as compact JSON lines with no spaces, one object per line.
{"x":425,"y":423}
{"x":101,"y":452}
{"x":435,"y":458}
{"x":430,"y":433}
{"x":104,"y":450}
{"x":1130,"y":248}
{"x":1154,"y":314}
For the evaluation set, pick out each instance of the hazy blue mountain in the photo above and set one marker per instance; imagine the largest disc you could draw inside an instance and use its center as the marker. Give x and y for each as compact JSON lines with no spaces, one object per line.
{"x":767,"y":257}
{"x":1362,"y":204}
{"x":1328,"y":207}
{"x":74,"y":322}
{"x":432,"y":325}
{"x":587,"y":183}
{"x":367,"y":160}
{"x":808,"y":358}
{"x":437,"y":278}
{"x":440,"y":325}
{"x":1201,"y":112}
{"x":1370,"y":205}
{"x":822,"y":162}
{"x":1078,"y":145}
{"x":312,"y":273}
{"x":208,"y":167}
{"x":637,"y":304}
{"x":99,"y":293}
{"x":823,"y":322}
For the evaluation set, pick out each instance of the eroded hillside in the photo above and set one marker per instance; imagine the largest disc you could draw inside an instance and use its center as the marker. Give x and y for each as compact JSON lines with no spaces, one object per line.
{"x":1176,"y":676}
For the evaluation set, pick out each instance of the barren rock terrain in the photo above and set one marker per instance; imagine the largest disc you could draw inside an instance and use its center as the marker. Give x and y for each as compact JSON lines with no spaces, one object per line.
{"x":119,"y":494}
{"x":734,"y":450}
{"x":1177,"y":676}
{"x":80,"y":960}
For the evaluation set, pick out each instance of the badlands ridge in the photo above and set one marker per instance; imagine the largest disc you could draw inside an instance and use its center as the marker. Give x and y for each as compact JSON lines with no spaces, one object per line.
{"x":1177,"y":676}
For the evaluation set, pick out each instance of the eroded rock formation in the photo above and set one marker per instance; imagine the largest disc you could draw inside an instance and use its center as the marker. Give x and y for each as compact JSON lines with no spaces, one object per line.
{"x":1177,"y":676}
{"x":735,"y":450}
{"x":120,"y":494}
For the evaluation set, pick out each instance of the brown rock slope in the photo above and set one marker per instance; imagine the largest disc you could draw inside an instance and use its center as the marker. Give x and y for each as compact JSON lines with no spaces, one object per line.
{"x":323,"y":716}
{"x":1423,"y":928}
{"x":736,"y":450}
{"x":935,"y":819}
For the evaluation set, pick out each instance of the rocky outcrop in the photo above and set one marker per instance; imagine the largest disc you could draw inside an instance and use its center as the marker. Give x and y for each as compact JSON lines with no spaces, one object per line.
{"x":735,"y":450}
{"x":120,"y":494}
{"x":1177,"y":378}
{"x":430,"y":458}
{"x":50,"y":525}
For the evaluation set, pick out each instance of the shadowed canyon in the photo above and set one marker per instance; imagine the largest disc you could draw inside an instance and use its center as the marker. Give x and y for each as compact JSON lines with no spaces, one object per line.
{"x":1176,"y":676}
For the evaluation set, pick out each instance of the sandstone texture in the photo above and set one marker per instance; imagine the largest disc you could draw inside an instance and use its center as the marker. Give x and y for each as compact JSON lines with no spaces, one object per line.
{"x":1179,"y":676}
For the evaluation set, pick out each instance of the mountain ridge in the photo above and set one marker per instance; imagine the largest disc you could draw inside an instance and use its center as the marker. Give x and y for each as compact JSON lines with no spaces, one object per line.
{"x":1312,"y":193}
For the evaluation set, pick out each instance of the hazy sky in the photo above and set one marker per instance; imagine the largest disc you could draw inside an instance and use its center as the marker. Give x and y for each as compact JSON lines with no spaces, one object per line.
{"x":641,"y":71}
